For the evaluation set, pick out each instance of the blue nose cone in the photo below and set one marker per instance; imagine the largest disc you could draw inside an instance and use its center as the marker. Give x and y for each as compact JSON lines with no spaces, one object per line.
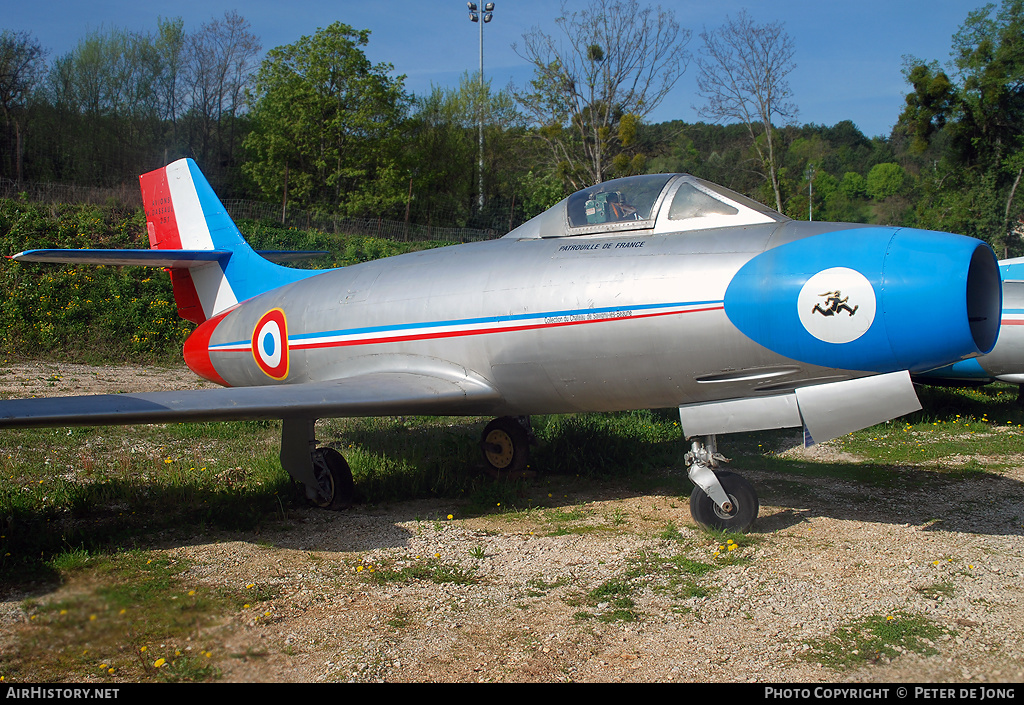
{"x":871,"y":299}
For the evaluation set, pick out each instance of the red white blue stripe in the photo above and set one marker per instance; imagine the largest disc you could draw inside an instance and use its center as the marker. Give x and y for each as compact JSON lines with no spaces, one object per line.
{"x":1013,"y":317}
{"x":375,"y":335}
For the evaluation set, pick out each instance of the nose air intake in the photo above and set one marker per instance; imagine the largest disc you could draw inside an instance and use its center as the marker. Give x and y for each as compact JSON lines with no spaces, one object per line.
{"x":871,"y":299}
{"x":984,"y":300}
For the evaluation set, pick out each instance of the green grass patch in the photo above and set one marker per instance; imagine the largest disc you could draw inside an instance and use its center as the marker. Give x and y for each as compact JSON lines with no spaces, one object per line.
{"x":937,"y":591}
{"x":954,"y":422}
{"x":623,"y":443}
{"x":611,"y":601}
{"x":114,"y":488}
{"x":131,"y":615}
{"x":674,"y":575}
{"x":877,"y":638}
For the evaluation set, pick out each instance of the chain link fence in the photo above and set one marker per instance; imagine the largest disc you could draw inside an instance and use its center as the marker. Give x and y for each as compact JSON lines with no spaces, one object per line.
{"x":129,"y":196}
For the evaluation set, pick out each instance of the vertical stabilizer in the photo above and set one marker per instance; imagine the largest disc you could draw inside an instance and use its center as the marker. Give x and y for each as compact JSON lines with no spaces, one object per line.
{"x":183,"y":213}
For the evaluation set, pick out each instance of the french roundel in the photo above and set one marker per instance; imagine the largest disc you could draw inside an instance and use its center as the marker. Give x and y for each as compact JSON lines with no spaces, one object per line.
{"x":270,"y":344}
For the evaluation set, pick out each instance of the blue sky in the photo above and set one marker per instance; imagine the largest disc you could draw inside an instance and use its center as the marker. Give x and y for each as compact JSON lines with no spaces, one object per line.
{"x":848,"y":54}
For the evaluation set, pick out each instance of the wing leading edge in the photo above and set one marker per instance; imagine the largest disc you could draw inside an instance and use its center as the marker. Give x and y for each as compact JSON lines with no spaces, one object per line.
{"x":377,"y":394}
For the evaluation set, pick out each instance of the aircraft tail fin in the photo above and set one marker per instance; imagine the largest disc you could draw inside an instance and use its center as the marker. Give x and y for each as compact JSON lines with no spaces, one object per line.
{"x":184,"y":214}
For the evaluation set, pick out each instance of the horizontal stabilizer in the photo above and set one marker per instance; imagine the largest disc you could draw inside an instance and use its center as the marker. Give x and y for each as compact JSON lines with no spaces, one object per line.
{"x":155,"y":258}
{"x":145,"y":258}
{"x":378,"y":394}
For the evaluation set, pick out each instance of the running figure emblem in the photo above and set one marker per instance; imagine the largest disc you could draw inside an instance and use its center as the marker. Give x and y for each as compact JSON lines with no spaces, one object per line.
{"x":834,"y":304}
{"x":840,"y":321}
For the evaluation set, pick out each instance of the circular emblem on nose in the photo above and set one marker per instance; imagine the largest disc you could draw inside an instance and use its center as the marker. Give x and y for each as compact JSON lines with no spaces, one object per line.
{"x":836,"y":305}
{"x":270,"y":344}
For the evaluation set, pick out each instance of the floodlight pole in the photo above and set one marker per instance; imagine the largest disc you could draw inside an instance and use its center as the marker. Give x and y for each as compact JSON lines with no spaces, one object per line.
{"x":481,"y":17}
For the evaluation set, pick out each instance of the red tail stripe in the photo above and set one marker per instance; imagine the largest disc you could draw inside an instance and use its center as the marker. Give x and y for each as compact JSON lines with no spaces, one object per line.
{"x":197,"y":350}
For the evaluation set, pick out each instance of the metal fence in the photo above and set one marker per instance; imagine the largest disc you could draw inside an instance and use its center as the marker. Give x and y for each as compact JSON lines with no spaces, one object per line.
{"x":372,"y":227}
{"x":125,"y":195}
{"x":129,"y":196}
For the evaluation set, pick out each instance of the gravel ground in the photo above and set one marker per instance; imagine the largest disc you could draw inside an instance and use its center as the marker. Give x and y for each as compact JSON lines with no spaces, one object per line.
{"x":824,"y":555}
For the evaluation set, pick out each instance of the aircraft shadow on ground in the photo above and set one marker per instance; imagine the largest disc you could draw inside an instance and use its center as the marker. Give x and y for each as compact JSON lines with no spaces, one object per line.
{"x":959,"y":501}
{"x":791,"y":492}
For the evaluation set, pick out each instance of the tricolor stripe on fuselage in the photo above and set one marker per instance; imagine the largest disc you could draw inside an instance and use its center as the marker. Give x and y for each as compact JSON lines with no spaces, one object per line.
{"x":1013,"y":317}
{"x":433,"y":330}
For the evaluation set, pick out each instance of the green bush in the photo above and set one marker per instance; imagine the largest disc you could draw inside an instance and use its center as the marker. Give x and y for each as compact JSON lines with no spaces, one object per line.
{"x":90,"y":313}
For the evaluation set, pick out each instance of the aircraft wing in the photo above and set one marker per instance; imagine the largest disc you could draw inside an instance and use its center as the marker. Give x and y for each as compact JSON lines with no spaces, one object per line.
{"x":376,"y":394}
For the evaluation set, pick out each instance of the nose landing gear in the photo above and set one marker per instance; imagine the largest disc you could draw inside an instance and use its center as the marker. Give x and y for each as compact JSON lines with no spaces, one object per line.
{"x":720,"y":499}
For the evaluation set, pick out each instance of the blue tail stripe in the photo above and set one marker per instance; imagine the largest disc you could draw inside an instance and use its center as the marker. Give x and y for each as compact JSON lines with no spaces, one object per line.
{"x":248,"y":274}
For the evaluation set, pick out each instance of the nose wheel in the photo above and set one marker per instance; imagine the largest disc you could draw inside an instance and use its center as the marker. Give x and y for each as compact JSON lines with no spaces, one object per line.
{"x":738,"y":514}
{"x":720,"y":499}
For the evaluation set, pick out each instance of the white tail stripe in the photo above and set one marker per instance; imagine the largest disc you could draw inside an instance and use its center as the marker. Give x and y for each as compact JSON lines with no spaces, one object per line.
{"x":212,"y":287}
{"x":188,"y":211}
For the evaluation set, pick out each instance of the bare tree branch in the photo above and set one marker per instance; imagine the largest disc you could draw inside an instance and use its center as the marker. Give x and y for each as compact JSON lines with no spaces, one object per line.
{"x":612,"y":60}
{"x":743,"y":69}
{"x":21,"y":66}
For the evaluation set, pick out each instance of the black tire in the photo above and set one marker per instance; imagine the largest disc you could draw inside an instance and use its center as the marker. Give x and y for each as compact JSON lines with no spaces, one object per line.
{"x":744,"y":500}
{"x":335,"y":487}
{"x":506,"y":446}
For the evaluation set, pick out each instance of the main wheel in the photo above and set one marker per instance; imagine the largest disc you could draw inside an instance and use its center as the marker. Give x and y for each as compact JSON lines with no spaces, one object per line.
{"x":506,"y":445}
{"x":335,"y":487}
{"x":745,"y":505}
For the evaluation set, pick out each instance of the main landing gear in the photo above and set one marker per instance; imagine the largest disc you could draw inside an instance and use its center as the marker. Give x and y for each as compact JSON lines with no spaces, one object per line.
{"x":327,"y":479}
{"x":323,"y":472}
{"x":720,"y":499}
{"x":505,"y":444}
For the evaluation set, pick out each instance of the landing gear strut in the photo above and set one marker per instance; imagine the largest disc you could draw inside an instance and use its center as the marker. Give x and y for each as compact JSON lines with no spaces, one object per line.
{"x":720,"y":499}
{"x":506,"y":445}
{"x":323,"y":472}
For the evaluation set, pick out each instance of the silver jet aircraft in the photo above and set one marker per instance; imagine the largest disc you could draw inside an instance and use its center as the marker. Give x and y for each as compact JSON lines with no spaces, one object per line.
{"x":644,"y":292}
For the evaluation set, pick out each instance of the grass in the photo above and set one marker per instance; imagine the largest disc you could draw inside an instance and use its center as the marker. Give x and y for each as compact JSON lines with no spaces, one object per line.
{"x":671,"y":571}
{"x":432,"y":570}
{"x":131,"y":615}
{"x":114,"y":488}
{"x":876,"y":638}
{"x":961,"y":423}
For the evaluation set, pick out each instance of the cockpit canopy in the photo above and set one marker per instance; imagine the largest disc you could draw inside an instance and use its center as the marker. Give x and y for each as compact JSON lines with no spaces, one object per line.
{"x":657,"y":203}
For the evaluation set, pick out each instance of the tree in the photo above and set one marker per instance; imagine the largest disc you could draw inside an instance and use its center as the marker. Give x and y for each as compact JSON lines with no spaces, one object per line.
{"x":21,"y":65}
{"x":106,"y":98}
{"x":885,"y":180}
{"x":442,"y":149}
{"x":742,"y":75}
{"x":169,"y":46}
{"x":967,"y":127}
{"x":613,"y":64}
{"x":325,"y":123}
{"x":221,"y":58}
